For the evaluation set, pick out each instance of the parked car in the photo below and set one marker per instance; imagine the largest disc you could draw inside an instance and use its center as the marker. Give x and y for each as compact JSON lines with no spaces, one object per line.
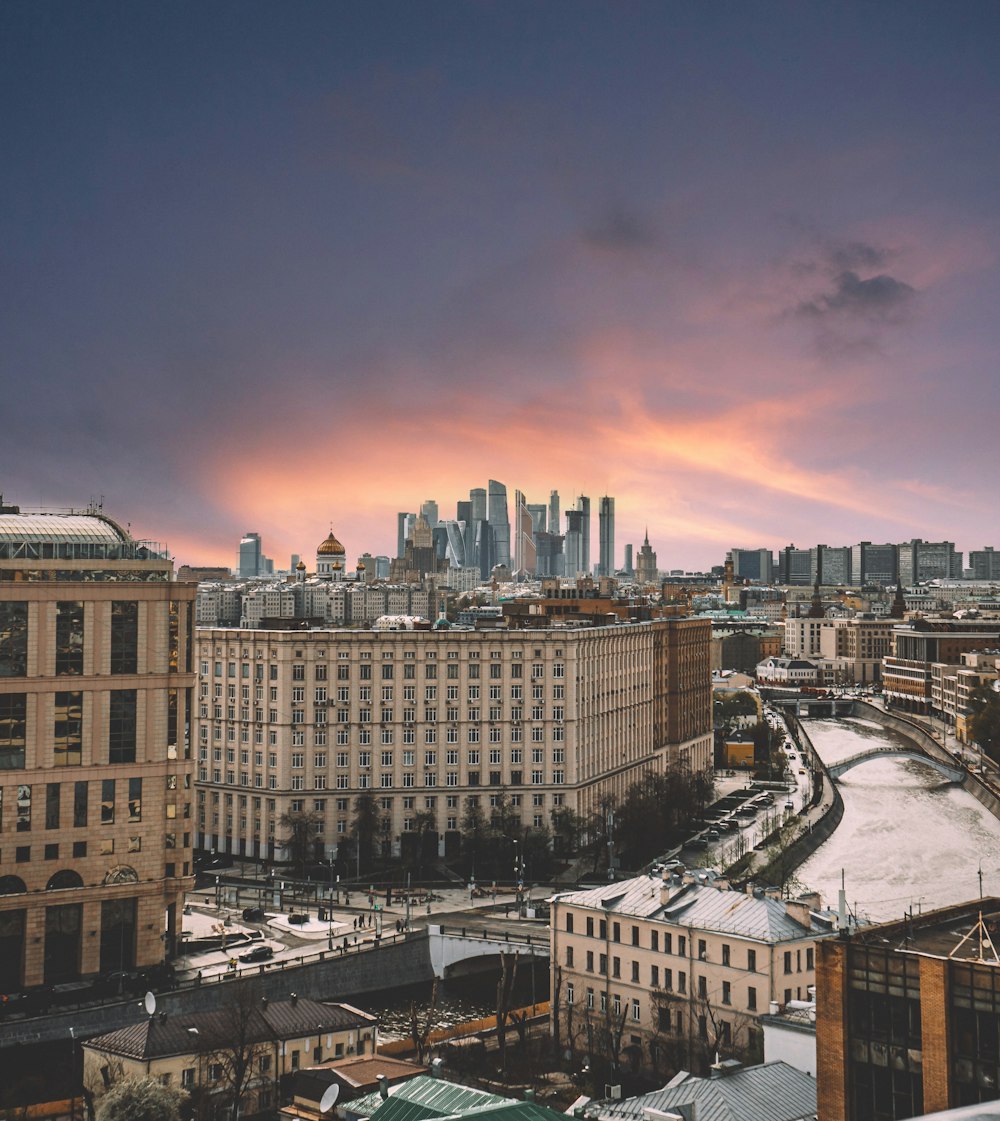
{"x":254,"y":914}
{"x":258,"y":953}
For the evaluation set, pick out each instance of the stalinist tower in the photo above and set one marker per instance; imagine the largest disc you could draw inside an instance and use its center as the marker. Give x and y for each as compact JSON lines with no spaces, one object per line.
{"x":645,"y":565}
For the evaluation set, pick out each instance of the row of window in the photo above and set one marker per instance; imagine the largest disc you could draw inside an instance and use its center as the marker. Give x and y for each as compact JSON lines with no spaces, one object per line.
{"x":793,"y":959}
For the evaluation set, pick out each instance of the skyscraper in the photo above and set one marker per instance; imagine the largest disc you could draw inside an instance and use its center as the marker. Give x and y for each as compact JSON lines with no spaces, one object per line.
{"x":499,"y":522}
{"x":251,"y":557}
{"x":606,"y":534}
{"x":628,"y":560}
{"x":404,"y":527}
{"x":573,"y":544}
{"x":524,"y":540}
{"x":429,"y":512}
{"x":477,"y":496}
{"x":583,"y":505}
{"x":554,"y":512}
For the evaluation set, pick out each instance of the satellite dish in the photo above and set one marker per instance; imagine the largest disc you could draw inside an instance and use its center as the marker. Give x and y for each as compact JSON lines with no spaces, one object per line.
{"x":149,"y":1003}
{"x":329,"y":1098}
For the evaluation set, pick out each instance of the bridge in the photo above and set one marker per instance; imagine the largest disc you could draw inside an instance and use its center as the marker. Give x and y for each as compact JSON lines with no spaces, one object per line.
{"x":951,"y":773}
{"x":460,"y":949}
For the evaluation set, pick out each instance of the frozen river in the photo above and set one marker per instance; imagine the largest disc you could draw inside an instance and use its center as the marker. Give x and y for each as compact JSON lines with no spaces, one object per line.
{"x":907,"y":836}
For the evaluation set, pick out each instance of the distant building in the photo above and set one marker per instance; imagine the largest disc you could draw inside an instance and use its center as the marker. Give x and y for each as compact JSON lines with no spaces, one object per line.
{"x":606,"y":536}
{"x":874,"y":564}
{"x":583,"y":505}
{"x":756,"y":565}
{"x":646,"y":571}
{"x":795,"y":566}
{"x":252,"y":561}
{"x":985,"y":563}
{"x":499,"y":522}
{"x":920,"y":561}
{"x":907,"y":672}
{"x":788,"y":671}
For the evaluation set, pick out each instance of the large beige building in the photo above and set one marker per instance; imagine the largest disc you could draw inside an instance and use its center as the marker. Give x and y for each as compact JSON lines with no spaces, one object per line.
{"x":95,"y":778}
{"x":659,"y":974}
{"x":305,"y":721}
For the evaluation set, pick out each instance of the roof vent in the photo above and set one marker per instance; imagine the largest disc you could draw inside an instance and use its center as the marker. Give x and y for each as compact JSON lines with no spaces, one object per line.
{"x":294,"y":998}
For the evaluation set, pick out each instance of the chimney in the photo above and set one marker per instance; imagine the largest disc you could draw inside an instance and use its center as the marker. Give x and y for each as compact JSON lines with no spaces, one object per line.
{"x":773,"y":1008}
{"x":294,"y":998}
{"x":799,"y":912}
{"x":263,"y":1002}
{"x":436,"y":1065}
{"x":383,"y":1086}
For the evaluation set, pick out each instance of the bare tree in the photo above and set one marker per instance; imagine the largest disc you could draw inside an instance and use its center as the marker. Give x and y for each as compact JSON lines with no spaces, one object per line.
{"x":232,"y":1044}
{"x":505,"y":990}
{"x":420,"y":1032}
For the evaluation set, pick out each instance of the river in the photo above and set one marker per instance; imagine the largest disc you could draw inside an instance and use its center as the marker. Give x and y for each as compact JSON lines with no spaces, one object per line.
{"x":907,"y":838}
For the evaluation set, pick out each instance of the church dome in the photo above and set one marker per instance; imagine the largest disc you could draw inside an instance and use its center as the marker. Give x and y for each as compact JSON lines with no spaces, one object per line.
{"x":301,"y":566}
{"x":331,"y":547}
{"x":361,"y":566}
{"x":336,"y":566}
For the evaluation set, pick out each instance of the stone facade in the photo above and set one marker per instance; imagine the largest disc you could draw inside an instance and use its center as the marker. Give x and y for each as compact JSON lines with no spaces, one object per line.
{"x":425,"y":720}
{"x":95,"y":690}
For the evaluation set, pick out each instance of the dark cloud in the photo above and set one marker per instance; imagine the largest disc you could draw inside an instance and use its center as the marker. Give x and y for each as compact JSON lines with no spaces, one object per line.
{"x":620,"y":231}
{"x":880,"y":297}
{"x":857,"y":255}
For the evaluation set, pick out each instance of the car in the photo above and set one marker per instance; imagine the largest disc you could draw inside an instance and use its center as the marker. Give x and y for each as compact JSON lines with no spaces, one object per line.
{"x":802,"y":770}
{"x":712,"y":834}
{"x":789,"y":805}
{"x":254,"y":914}
{"x":258,"y":953}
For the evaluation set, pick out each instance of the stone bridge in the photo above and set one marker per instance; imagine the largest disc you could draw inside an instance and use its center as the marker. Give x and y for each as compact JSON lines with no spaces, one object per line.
{"x":951,"y":773}
{"x":457,"y":949}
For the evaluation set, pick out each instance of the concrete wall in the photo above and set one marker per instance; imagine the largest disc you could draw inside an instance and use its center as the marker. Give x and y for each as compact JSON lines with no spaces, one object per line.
{"x":336,"y":977}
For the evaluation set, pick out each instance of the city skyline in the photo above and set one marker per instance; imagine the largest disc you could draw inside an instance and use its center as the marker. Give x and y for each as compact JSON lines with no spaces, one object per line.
{"x":281,"y":267}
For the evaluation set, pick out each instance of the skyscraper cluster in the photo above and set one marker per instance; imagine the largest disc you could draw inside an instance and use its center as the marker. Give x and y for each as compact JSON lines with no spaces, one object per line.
{"x":528,"y":539}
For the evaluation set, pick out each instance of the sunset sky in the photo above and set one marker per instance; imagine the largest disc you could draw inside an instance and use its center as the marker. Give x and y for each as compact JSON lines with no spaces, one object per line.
{"x":291,"y":265}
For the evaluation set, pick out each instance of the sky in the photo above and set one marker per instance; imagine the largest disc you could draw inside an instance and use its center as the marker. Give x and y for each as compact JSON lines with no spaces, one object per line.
{"x":291,"y":266}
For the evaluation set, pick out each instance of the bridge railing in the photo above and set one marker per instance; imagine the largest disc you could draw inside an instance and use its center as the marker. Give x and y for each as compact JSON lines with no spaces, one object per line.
{"x":516,"y":938}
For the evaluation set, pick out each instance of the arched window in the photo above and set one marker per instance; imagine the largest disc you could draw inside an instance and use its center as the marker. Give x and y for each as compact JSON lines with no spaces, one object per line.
{"x":66,"y":878}
{"x":121,"y":874}
{"x":11,"y":885}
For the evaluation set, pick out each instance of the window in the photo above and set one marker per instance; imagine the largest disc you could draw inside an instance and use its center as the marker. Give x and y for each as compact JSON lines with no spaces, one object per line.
{"x":124,"y":637}
{"x":702,"y":950}
{"x":635,"y":1011}
{"x":727,"y":993}
{"x":788,"y":961}
{"x":725,"y":953}
{"x":121,"y":726}
{"x":752,"y":960}
{"x":751,"y":998}
{"x":108,"y":801}
{"x":569,"y":956}
{"x":635,"y":971}
{"x":702,"y":987}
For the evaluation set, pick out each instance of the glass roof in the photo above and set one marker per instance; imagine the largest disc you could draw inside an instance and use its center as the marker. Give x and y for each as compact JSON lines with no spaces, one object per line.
{"x":61,"y":529}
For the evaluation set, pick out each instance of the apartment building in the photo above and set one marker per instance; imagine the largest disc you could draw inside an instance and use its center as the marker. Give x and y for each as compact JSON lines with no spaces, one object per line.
{"x":96,"y":685}
{"x":660,"y":974}
{"x":853,"y":649}
{"x":907,"y":1016}
{"x":307,"y":720}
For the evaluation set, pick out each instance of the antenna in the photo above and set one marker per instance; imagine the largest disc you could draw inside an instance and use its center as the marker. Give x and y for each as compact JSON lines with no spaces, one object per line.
{"x":329,"y":1098}
{"x":149,"y":1003}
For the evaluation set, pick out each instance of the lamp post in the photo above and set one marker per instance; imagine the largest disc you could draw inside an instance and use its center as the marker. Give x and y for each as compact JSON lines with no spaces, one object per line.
{"x":518,"y":876}
{"x":329,"y":908}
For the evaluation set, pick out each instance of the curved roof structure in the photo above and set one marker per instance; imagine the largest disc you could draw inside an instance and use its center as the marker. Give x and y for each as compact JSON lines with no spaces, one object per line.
{"x":331,"y":547}
{"x":75,"y":529}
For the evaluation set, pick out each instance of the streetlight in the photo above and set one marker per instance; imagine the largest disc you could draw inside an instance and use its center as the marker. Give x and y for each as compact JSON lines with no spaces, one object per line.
{"x":329,"y":907}
{"x":518,"y":875}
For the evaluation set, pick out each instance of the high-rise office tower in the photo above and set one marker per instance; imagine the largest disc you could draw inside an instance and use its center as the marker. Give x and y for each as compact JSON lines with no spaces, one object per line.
{"x":573,"y":544}
{"x":554,"y":512}
{"x":795,"y":566}
{"x":628,"y":561}
{"x":404,"y":529}
{"x":463,"y":515}
{"x":499,"y":522}
{"x":524,"y":541}
{"x":873,"y":564}
{"x":549,"y":554}
{"x":606,"y":535}
{"x":538,"y":512}
{"x":583,"y":505}
{"x":250,"y":556}
{"x":477,"y":496}
{"x":429,"y":512}
{"x":830,"y":565}
{"x":985,"y":563}
{"x":486,"y":554}
{"x":753,"y":564}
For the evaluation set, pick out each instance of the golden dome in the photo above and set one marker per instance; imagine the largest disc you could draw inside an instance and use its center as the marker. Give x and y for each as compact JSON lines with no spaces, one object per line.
{"x":361,"y":566}
{"x":331,"y":547}
{"x":336,"y":566}
{"x":301,"y":566}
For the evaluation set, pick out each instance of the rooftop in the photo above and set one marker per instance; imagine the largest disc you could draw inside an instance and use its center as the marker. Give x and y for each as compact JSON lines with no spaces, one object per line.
{"x":705,"y":906}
